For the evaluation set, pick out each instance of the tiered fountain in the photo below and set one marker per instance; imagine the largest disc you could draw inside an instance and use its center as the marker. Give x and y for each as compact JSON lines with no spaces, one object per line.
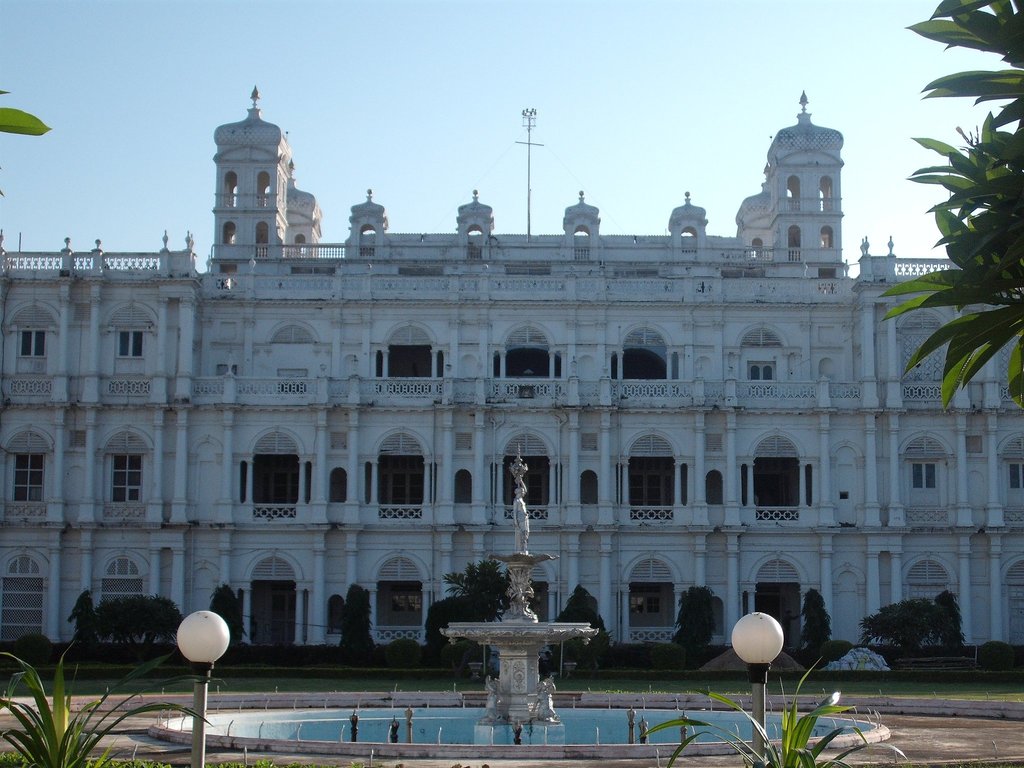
{"x":519,"y":697}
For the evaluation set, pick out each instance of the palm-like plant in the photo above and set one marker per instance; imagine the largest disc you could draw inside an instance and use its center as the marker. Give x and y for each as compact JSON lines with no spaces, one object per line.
{"x":791,"y":750}
{"x":50,"y":735}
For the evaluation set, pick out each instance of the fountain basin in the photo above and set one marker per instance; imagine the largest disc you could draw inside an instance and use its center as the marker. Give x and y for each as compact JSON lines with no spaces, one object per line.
{"x":454,"y":732}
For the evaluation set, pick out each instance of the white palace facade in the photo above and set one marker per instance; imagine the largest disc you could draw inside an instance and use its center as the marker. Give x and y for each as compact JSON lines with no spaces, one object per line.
{"x":728,"y":411}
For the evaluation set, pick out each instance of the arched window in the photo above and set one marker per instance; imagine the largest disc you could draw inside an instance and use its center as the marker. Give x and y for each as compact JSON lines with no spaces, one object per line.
{"x":230,"y":190}
{"x":588,"y":487}
{"x":463,"y":487}
{"x":825,"y":193}
{"x":793,"y":192}
{"x":793,"y":236}
{"x":339,"y":485}
{"x":527,"y":353}
{"x":713,"y":487}
{"x":300,"y":239}
{"x":228,"y":233}
{"x":263,"y":190}
{"x":262,"y":233}
{"x":21,"y":604}
{"x":926,"y":579}
{"x":121,"y":579}
{"x":757,"y":242}
{"x":581,"y":243}
{"x":367,"y":241}
{"x":401,"y":472}
{"x":644,"y":355}
{"x":335,"y":607}
{"x":826,"y":237}
{"x":475,"y":243}
{"x":776,"y":473}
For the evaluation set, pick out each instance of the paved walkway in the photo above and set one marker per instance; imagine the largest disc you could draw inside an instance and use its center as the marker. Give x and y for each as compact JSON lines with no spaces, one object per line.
{"x":926,"y":740}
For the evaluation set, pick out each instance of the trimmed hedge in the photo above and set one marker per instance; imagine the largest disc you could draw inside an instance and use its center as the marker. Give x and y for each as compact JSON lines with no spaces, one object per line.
{"x":403,"y":653}
{"x":668,"y":656}
{"x":834,"y":650}
{"x":996,"y":656}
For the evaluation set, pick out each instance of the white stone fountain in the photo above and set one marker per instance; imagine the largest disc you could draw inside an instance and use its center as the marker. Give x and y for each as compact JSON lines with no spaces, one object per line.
{"x":519,"y":697}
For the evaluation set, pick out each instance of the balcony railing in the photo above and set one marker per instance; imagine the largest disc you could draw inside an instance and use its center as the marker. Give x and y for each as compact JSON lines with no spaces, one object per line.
{"x":273,"y":512}
{"x":777,"y":514}
{"x":535,"y":513}
{"x":651,"y":634}
{"x":651,"y":514}
{"x":116,"y":512}
{"x":927,"y":517}
{"x":400,"y":512}
{"x":24,"y":511}
{"x":384,"y":635}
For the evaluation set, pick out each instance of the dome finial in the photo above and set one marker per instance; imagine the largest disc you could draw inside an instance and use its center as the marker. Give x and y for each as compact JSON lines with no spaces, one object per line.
{"x":687,"y":196}
{"x":369,"y":195}
{"x":581,"y":195}
{"x":255,"y":96}
{"x":803,"y":101}
{"x":476,"y":195}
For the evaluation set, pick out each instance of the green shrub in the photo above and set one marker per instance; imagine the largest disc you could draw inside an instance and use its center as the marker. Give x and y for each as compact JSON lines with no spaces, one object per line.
{"x":834,"y":650}
{"x":458,"y":654}
{"x":403,"y":653}
{"x":996,"y":655}
{"x":34,"y":648}
{"x":668,"y":656}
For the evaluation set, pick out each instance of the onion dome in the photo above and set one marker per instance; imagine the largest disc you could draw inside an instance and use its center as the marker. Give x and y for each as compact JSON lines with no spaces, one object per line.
{"x":299,"y":201}
{"x":755,"y":210}
{"x":805,"y":135}
{"x":254,"y":130}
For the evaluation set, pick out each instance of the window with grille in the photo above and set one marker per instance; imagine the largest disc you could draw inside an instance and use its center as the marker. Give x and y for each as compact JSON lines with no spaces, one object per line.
{"x":21,"y":604}
{"x":33,"y":344}
{"x":126,"y":481}
{"x":129,"y":343}
{"x":922,"y":475}
{"x":121,"y":579}
{"x":28,"y":477}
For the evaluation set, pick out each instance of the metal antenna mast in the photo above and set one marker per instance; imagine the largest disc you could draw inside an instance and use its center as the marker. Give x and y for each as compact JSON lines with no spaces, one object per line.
{"x":529,"y":120}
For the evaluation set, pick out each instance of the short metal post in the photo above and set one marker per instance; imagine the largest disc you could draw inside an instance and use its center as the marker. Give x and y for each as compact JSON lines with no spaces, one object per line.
{"x":758,"y":682}
{"x":199,"y":718}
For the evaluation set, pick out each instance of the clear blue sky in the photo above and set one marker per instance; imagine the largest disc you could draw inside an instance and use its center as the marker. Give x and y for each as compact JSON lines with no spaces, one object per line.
{"x":638,"y":101}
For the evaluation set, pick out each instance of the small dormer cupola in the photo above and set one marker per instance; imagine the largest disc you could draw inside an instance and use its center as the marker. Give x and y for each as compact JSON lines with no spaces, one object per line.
{"x":582,"y":226}
{"x":475,"y":223}
{"x":687,"y":226}
{"x":368,"y":223}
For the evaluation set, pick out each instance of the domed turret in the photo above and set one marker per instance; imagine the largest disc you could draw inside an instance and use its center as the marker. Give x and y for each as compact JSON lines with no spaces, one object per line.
{"x":252,"y":184}
{"x":754,"y":218}
{"x":804,"y":165}
{"x":303,"y":213}
{"x":687,"y":226}
{"x":581,"y":225}
{"x":475,"y":215}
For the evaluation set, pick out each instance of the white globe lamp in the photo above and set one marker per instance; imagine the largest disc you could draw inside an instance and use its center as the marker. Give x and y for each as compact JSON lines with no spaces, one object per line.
{"x":202,"y":639}
{"x":757,"y":639}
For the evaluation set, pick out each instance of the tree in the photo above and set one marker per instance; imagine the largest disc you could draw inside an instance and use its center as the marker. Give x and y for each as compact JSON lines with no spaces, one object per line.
{"x":908,"y":625}
{"x":83,"y":615}
{"x":817,"y":627}
{"x":139,"y":621}
{"x":980,"y":219}
{"x":356,"y":642}
{"x":484,"y":585}
{"x":225,"y":603}
{"x":951,"y":635}
{"x":695,"y":620}
{"x":581,"y":607}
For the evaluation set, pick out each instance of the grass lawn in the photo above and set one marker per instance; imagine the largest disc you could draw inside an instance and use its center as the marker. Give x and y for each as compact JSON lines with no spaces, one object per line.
{"x":979,"y":689}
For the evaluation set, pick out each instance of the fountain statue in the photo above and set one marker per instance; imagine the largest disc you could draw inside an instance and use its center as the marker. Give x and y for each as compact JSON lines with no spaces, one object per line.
{"x":519,"y":695}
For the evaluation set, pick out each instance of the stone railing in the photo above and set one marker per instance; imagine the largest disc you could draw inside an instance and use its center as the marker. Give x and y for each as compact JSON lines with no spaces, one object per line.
{"x":922,"y":391}
{"x":1013,"y":518}
{"x":651,"y":634}
{"x":776,"y":390}
{"x":652,"y":391}
{"x":385,"y":634}
{"x":504,"y":390}
{"x":535,"y":513}
{"x":25,"y":512}
{"x":28,"y":387}
{"x":274,"y":512}
{"x":115,"y":512}
{"x":400,"y":512}
{"x":126,"y":386}
{"x":414,"y":389}
{"x":927,"y":517}
{"x":651,"y":514}
{"x":777,"y":514}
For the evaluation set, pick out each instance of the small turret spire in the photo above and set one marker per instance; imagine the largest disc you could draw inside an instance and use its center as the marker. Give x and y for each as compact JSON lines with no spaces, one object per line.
{"x":255,"y":96}
{"x":803,"y":101}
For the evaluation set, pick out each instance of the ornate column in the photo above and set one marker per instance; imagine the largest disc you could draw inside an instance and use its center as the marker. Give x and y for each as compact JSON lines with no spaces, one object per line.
{"x":827,"y":510}
{"x":178,"y":574}
{"x":964,"y":596}
{"x":896,"y":576}
{"x":605,"y":584}
{"x":186,"y":335}
{"x":155,"y":508}
{"x":963,"y":506}
{"x":54,"y":627}
{"x":229,"y":467}
{"x":993,"y":509}
{"x":896,"y":513}
{"x":825,"y":556}
{"x":872,"y":516}
{"x":179,"y":505}
{"x":319,"y":476}
{"x":995,"y":586}
{"x":732,"y":580}
{"x":318,"y":595}
{"x":55,"y":488}
{"x":87,"y":506}
{"x":732,"y":515}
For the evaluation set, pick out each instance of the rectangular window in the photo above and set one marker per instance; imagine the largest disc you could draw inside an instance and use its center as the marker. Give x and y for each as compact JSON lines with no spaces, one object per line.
{"x":406,"y":602}
{"x":761,"y":371}
{"x":126,"y":483}
{"x":1016,"y":476}
{"x":129,"y":343}
{"x":28,"y":477}
{"x":33,"y":344}
{"x":923,"y":475}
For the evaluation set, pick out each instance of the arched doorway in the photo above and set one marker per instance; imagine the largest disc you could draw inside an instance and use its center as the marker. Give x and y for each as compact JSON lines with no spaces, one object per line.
{"x":273,"y":603}
{"x":777,"y":593}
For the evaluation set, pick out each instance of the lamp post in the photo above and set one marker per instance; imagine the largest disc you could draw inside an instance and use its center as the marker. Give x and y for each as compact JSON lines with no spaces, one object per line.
{"x":757,"y":639}
{"x":202,"y":639}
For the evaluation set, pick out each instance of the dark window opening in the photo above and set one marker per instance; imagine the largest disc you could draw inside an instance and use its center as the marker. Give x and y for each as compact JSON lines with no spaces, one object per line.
{"x":526,"y":362}
{"x":776,"y":482}
{"x":713,"y":487}
{"x":338,"y":485}
{"x":588,"y":487}
{"x":409,"y":361}
{"x":275,"y":479}
{"x":400,"y":479}
{"x":463,"y":487}
{"x":28,"y":477}
{"x":643,"y":364}
{"x":650,"y":481}
{"x":536,"y":481}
